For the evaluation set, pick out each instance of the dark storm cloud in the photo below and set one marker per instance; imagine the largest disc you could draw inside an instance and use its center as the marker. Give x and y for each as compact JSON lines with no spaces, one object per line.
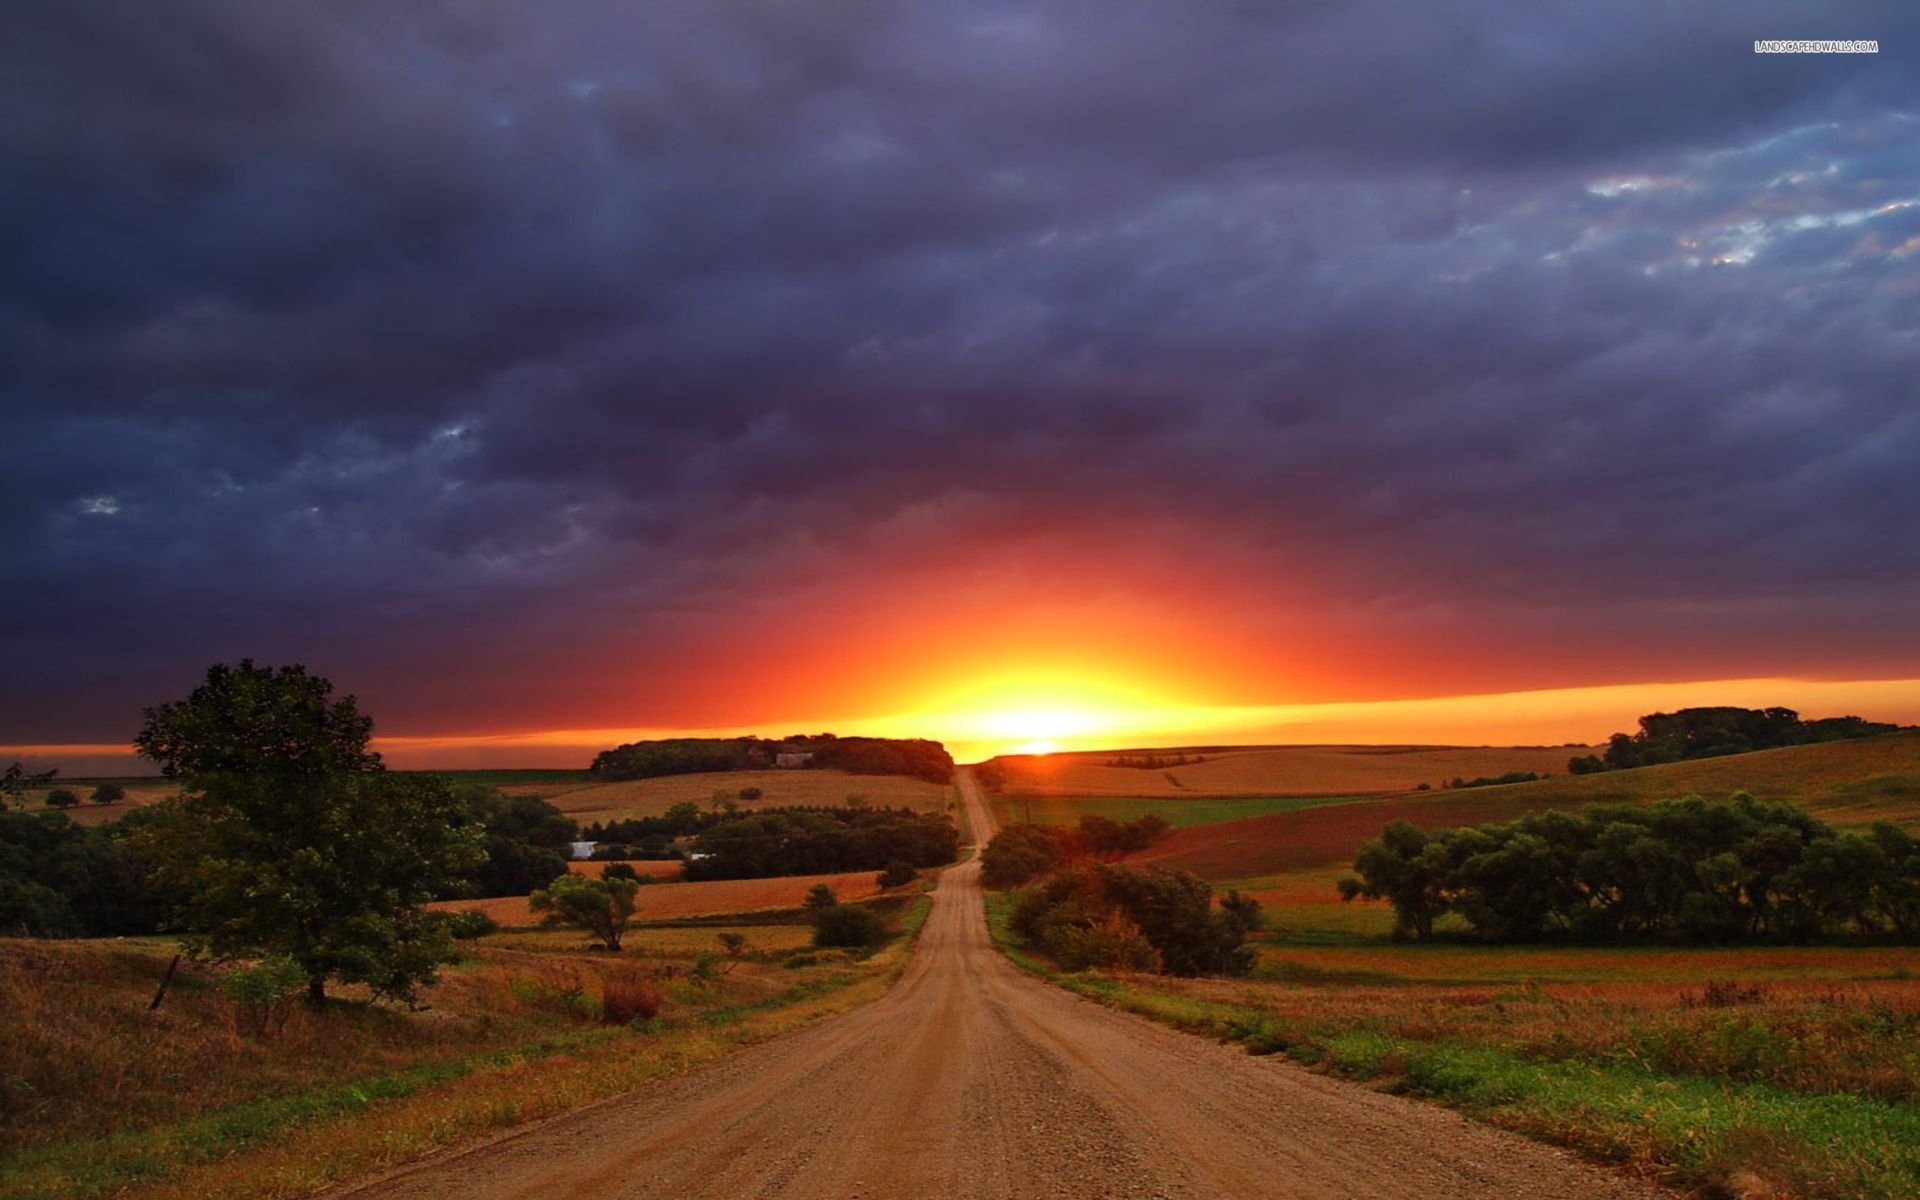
{"x":370,"y":330}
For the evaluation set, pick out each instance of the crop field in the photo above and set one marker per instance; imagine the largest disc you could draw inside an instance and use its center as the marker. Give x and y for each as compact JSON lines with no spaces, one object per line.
{"x":675,"y":901}
{"x":205,"y":1098}
{"x":587,"y":801}
{"x":1275,"y":770}
{"x":1843,"y":783}
{"x":657,"y":868}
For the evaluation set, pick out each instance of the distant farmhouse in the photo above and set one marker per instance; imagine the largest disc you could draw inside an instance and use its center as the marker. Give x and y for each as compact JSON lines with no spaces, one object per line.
{"x":792,"y":759}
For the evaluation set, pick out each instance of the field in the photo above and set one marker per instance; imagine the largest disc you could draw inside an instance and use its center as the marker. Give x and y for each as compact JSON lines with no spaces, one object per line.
{"x":1761,"y":1071}
{"x":1758,"y":1071}
{"x":658,"y":868}
{"x":1275,"y":770}
{"x":1844,"y":783}
{"x":141,"y":791}
{"x":676,"y":901}
{"x":206,"y":1098}
{"x":587,"y":801}
{"x":1181,"y":813}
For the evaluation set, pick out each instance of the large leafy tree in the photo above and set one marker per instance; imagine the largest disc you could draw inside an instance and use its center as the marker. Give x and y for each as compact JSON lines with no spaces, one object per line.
{"x":290,"y":839}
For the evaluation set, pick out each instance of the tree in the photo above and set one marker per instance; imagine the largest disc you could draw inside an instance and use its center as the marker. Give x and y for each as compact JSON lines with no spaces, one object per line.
{"x":62,"y":798}
{"x":899,"y":873}
{"x":1404,"y":868}
{"x":109,"y":793}
{"x":259,"y":722}
{"x":289,"y":839}
{"x":602,"y":907}
{"x":820,"y":896}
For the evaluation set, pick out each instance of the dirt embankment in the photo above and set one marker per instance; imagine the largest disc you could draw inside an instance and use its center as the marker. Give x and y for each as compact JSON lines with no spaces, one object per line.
{"x":970,"y":1079}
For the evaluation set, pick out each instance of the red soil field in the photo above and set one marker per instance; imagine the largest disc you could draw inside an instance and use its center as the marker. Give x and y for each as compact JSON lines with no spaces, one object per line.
{"x":1313,"y":837}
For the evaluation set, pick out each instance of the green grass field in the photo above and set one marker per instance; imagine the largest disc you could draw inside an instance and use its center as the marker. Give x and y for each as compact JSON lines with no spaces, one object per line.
{"x":1180,"y":813}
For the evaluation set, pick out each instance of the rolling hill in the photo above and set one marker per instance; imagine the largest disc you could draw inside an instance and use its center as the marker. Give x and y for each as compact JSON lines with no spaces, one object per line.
{"x":1843,"y":783}
{"x":1272,"y":770}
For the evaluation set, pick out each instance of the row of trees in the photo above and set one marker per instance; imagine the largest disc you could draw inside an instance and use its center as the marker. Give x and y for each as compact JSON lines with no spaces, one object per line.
{"x":1020,"y":853}
{"x":1685,"y":869}
{"x":1098,"y":915}
{"x":819,"y":841}
{"x":1712,"y":732}
{"x":1494,"y":780}
{"x":915,"y":757}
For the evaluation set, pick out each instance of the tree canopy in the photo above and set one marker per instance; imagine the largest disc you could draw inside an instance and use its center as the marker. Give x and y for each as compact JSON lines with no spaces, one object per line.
{"x":260,"y":722}
{"x":1688,"y":870}
{"x":1710,"y":732}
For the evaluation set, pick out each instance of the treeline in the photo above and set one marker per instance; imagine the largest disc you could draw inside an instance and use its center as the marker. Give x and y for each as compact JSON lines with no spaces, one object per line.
{"x":1020,"y":853}
{"x":820,"y":841}
{"x":1712,"y":732}
{"x":60,"y":879}
{"x":1102,"y":916}
{"x":915,"y":757}
{"x":1682,"y":870}
{"x":1495,"y":780}
{"x":1153,"y":762}
{"x":650,"y":837}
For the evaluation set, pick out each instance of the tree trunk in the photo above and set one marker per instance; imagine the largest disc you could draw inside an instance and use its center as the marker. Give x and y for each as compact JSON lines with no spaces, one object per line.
{"x":317,"y":991}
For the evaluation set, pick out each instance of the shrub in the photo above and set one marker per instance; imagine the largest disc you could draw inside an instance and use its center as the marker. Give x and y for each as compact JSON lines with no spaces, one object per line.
{"x":897,"y":874}
{"x":820,"y":896}
{"x":263,"y":994}
{"x":750,"y":793}
{"x":61,"y":798}
{"x":848,"y":925}
{"x":1106,"y":916}
{"x":627,"y":995}
{"x":620,"y":870}
{"x":471,"y":923}
{"x":109,"y":793}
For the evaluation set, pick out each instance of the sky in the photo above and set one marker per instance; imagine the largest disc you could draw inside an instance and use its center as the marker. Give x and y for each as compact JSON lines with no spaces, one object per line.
{"x":543,"y":370}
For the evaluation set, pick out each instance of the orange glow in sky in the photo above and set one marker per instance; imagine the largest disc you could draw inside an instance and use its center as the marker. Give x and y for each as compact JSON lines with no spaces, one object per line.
{"x":1037,"y":713}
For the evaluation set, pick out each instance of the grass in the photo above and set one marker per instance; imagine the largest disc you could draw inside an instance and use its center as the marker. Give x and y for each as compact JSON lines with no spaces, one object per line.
{"x":101,"y":1097}
{"x":1844,"y":783}
{"x":1179,"y":812}
{"x":1776,"y":1070}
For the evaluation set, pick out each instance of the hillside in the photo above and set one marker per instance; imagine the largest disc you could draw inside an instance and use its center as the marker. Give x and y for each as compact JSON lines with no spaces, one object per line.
{"x":1845,"y":783}
{"x":1273,"y":770}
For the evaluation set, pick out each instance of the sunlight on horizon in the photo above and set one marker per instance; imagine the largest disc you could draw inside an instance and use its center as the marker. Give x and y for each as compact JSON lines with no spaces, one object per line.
{"x":1054,"y":715}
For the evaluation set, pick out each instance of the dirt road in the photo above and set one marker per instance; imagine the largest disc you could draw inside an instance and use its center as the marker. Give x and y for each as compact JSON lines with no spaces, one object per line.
{"x":970,"y":1079}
